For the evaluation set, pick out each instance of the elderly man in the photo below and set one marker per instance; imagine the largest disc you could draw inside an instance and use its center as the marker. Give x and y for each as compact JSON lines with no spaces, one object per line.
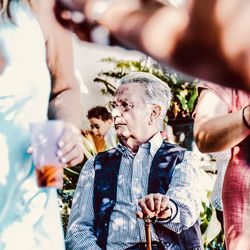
{"x":142,"y":176}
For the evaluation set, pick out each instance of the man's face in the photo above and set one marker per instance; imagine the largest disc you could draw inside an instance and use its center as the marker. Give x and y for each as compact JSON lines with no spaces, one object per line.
{"x":100,"y":127}
{"x":133,"y":121}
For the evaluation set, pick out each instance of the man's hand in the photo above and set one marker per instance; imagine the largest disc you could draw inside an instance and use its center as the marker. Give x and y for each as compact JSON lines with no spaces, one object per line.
{"x":70,"y":146}
{"x":154,"y":205}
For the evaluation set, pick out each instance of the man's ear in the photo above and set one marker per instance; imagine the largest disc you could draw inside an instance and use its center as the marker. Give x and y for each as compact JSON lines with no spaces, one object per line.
{"x":110,"y":122}
{"x":156,"y":112}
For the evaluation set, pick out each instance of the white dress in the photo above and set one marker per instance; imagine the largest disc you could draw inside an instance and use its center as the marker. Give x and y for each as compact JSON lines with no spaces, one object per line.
{"x":29,"y":216}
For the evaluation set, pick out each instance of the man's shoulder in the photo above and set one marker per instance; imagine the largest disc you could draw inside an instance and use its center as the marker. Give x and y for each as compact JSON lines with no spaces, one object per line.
{"x":108,"y":153}
{"x":111,"y":154}
{"x":170,"y":147}
{"x":170,"y":153}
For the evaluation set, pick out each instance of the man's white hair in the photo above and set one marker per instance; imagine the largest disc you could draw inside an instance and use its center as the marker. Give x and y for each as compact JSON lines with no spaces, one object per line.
{"x":156,"y":91}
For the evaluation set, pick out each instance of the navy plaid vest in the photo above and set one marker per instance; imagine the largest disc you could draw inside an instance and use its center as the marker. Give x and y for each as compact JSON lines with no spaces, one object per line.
{"x":107,"y":166}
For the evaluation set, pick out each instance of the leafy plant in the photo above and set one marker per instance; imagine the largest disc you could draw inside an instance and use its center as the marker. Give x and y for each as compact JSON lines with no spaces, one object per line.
{"x":211,"y":240}
{"x":184,"y":91}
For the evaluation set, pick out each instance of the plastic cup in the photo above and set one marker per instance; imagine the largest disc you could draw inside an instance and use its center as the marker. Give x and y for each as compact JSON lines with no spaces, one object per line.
{"x":44,"y":142}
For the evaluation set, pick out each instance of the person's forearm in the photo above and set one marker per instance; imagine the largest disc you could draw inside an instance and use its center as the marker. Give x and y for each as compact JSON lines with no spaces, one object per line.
{"x":152,"y":33}
{"x":187,"y":38}
{"x":221,"y":133}
{"x":65,"y":97}
{"x":146,"y":27}
{"x":67,"y":106}
{"x":184,"y":193}
{"x":184,"y":218}
{"x":176,"y":37}
{"x":81,"y":238}
{"x":65,"y":100}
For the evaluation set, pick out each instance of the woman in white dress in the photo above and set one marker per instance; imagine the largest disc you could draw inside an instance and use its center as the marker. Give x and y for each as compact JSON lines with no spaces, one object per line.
{"x":33,"y":45}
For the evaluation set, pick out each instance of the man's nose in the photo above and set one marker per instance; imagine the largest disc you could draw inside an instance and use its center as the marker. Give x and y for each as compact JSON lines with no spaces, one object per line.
{"x":116,"y":112}
{"x":94,"y":130}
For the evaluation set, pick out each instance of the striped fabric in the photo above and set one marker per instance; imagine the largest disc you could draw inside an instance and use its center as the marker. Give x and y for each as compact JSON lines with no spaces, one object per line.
{"x":222,"y":159}
{"x":125,"y":229}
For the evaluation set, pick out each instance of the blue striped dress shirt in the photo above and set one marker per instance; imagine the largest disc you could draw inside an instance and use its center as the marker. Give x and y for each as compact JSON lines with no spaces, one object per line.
{"x":125,"y":229}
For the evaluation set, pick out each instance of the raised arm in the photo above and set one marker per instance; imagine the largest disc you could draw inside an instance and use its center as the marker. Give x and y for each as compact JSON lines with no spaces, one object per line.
{"x":214,"y":128}
{"x":204,"y":39}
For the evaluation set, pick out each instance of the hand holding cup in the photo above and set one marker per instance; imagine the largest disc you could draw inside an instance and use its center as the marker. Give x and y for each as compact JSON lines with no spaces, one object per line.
{"x":44,"y":142}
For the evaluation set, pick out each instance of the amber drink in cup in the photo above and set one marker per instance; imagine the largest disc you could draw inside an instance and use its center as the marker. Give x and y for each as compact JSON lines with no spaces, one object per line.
{"x":44,"y":141}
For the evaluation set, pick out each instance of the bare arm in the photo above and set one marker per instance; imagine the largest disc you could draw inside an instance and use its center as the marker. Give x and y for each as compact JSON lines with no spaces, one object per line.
{"x":215,"y":129}
{"x":207,"y":39}
{"x":65,"y":94}
{"x":150,"y":27}
{"x":65,"y":102}
{"x":209,"y":46}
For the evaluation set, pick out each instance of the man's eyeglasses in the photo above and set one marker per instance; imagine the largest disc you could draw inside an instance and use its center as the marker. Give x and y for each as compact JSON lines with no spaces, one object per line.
{"x":123,"y":106}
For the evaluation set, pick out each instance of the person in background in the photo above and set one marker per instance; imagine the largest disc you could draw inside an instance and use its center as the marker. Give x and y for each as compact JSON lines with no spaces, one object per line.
{"x":102,"y":130}
{"x":222,"y":122}
{"x":36,"y":83}
{"x":143,"y":174}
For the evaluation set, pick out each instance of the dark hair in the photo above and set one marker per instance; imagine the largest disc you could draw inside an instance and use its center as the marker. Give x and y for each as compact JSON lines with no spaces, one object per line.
{"x":99,"y":112}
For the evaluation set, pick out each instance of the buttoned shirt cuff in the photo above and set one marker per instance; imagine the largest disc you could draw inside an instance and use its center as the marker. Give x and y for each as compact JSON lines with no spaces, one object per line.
{"x":175,"y":214}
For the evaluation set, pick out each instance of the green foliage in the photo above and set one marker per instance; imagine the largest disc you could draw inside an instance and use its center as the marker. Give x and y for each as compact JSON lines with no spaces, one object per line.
{"x":205,"y":216}
{"x":217,"y":243}
{"x":184,"y":92}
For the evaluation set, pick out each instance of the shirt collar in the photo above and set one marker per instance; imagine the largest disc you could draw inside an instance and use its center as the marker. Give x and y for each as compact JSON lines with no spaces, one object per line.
{"x":124,"y":150}
{"x":153,"y":144}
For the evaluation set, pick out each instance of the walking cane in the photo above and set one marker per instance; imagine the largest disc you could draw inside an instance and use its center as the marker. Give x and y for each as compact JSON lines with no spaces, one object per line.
{"x":147,"y":222}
